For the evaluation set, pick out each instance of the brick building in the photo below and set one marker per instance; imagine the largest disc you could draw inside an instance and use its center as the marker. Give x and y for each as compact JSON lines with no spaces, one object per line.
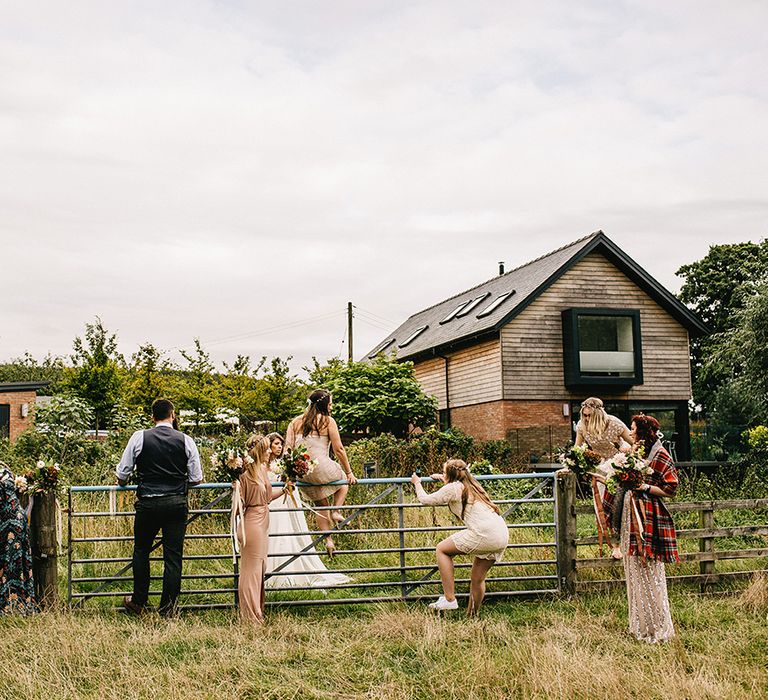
{"x":514,"y":356}
{"x":17,"y":401}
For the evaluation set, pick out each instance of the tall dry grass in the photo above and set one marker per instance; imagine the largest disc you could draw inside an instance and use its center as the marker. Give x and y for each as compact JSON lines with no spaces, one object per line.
{"x":537,"y":649}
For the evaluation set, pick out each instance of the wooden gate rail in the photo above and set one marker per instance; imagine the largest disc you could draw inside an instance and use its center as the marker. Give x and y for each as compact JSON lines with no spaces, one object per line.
{"x":706,"y":534}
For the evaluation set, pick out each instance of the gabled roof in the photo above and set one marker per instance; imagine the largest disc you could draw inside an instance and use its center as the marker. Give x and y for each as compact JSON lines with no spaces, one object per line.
{"x":423,"y":333}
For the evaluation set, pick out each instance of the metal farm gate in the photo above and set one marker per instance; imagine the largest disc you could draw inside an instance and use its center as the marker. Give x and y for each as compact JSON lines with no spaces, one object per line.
{"x":385,"y":545}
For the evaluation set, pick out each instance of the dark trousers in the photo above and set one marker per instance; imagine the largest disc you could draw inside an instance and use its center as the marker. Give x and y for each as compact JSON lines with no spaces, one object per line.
{"x":169,"y":514}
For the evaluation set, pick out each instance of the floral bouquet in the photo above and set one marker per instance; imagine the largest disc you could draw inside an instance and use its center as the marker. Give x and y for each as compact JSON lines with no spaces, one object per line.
{"x":229,"y":460}
{"x":21,"y":484}
{"x":296,"y":464}
{"x":44,"y":478}
{"x":627,"y":470}
{"x":579,"y":459}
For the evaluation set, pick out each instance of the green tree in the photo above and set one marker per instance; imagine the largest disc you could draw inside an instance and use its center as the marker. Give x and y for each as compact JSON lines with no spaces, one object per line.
{"x":96,"y":373}
{"x":282,"y":392}
{"x":716,"y":287}
{"x":740,"y":355}
{"x":51,"y":369}
{"x":197,"y":389}
{"x":148,"y":377}
{"x":382,"y":396}
{"x":239,"y":388}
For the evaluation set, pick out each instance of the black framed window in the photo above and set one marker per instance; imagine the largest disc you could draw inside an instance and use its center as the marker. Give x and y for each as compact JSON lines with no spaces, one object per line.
{"x":444,"y":418}
{"x":602,"y":347}
{"x":5,"y":420}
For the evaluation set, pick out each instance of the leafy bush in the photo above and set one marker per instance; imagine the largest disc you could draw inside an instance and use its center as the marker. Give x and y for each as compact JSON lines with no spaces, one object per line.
{"x":427,"y":451}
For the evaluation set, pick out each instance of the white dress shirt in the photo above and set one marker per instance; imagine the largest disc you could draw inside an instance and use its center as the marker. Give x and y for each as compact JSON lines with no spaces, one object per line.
{"x":136,"y":443}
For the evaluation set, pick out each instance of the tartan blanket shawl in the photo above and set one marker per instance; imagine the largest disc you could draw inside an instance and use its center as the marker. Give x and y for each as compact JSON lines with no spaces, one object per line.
{"x":659,"y":530}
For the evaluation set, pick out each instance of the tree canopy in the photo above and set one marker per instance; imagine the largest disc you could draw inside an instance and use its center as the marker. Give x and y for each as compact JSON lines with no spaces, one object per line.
{"x":717,"y":288}
{"x":382,"y":396}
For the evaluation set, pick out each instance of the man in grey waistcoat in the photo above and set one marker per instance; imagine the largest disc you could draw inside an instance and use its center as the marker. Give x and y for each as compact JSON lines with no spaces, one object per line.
{"x":166,"y":462}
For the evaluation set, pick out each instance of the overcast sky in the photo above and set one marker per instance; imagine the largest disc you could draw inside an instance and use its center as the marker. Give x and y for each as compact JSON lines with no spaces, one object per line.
{"x":238,"y":171}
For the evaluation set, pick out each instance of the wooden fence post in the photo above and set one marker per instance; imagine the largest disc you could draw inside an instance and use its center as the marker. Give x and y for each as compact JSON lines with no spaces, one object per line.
{"x":706,"y":544}
{"x":45,"y":549}
{"x":566,"y":531}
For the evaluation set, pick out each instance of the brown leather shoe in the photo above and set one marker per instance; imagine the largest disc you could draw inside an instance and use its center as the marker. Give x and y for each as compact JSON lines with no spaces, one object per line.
{"x":131,"y":607}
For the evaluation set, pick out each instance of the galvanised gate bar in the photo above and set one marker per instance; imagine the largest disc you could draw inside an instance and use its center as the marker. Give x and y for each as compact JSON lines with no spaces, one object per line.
{"x":385,"y":545}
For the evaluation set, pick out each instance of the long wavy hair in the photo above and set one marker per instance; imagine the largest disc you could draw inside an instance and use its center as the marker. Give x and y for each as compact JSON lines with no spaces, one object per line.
{"x":647,"y":430}
{"x":471,"y":491}
{"x":316,"y":416}
{"x":597,"y":421}
{"x":272,"y":437}
{"x":258,"y":449}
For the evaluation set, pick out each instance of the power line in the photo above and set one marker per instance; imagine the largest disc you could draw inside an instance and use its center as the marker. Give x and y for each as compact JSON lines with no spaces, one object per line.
{"x":377,"y":316}
{"x":374,"y":319}
{"x":266,"y":331}
{"x":379,"y":326}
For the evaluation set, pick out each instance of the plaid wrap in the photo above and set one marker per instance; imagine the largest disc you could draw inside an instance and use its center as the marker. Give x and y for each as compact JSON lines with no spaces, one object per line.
{"x":659,"y":531}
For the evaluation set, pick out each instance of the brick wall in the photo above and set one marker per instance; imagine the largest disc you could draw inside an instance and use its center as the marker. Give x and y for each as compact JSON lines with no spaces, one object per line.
{"x":16,"y":399}
{"x":532,"y":426}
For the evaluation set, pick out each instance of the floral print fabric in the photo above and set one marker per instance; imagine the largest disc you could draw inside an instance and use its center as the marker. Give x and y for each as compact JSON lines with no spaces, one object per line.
{"x":17,"y":591}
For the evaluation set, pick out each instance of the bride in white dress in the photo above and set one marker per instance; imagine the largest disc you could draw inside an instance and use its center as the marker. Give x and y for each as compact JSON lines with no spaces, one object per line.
{"x":308,"y":569}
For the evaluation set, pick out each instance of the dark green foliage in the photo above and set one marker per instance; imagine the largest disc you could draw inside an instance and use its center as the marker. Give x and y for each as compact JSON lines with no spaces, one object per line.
{"x":428,"y":451}
{"x":148,"y":377}
{"x":381,"y":396}
{"x":51,"y":369}
{"x":282,"y":394}
{"x":96,"y":373}
{"x":196,"y":390}
{"x":716,"y":287}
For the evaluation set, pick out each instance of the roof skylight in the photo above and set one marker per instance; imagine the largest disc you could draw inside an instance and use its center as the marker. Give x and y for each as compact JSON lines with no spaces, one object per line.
{"x":381,"y":348}
{"x":456,"y":311}
{"x":413,"y":336}
{"x":472,"y":305}
{"x":495,"y":304}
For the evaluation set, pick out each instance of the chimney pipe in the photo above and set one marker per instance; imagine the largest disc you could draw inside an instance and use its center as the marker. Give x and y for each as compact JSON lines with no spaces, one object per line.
{"x":501,"y":267}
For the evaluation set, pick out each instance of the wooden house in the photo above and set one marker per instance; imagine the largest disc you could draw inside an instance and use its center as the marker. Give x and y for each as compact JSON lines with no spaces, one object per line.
{"x":514,"y":356}
{"x":17,"y":400}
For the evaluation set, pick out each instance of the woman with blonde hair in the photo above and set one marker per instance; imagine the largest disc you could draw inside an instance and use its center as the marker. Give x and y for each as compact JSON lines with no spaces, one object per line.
{"x":256,"y":493}
{"x":607,"y":435}
{"x":485,"y":537}
{"x":318,"y":432}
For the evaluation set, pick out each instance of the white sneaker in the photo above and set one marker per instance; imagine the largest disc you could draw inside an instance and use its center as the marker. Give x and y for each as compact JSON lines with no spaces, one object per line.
{"x":442,"y":604}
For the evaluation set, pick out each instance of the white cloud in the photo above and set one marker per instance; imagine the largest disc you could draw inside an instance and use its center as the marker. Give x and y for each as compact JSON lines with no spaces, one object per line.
{"x":211,"y":169}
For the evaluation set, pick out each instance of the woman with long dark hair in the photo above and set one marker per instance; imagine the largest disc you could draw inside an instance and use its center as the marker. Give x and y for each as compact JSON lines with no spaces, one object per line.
{"x":307,"y":569}
{"x":486,"y":536}
{"x":318,"y":432}
{"x":648,"y":538}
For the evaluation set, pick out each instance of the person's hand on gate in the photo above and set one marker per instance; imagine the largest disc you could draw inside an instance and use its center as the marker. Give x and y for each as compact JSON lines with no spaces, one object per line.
{"x":415,"y":478}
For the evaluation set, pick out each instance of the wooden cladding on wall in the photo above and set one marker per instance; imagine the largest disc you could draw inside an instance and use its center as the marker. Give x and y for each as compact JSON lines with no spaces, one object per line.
{"x":532,"y":343}
{"x":474,"y":375}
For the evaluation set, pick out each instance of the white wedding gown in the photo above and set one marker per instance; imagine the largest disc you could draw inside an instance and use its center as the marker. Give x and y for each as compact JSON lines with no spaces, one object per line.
{"x":306,"y":570}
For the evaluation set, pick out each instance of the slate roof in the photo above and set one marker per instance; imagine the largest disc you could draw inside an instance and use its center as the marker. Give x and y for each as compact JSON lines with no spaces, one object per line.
{"x":526,"y":282}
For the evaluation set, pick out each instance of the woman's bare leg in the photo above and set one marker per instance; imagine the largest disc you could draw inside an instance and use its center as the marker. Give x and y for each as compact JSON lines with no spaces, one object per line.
{"x":338,"y":501}
{"x":446,"y":551}
{"x":480,"y":569}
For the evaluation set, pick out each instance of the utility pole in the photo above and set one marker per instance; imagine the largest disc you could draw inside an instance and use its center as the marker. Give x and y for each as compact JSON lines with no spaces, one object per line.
{"x":349,"y":332}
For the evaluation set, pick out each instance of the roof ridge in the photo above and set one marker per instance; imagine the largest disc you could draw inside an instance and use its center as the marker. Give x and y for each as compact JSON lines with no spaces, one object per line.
{"x":509,"y":272}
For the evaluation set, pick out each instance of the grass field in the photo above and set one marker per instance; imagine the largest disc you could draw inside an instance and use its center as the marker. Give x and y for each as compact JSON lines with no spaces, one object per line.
{"x":534,"y":649}
{"x":546,"y":648}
